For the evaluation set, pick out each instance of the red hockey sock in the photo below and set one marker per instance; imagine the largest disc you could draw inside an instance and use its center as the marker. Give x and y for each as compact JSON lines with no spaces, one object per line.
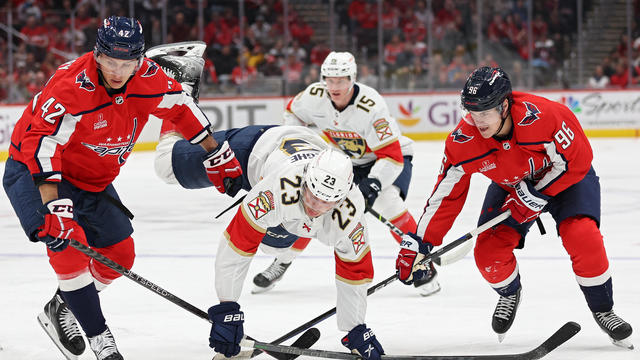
{"x":406,"y":223}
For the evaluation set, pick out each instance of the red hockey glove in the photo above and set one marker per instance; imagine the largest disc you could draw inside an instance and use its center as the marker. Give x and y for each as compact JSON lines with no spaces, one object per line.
{"x":525,"y":202}
{"x":59,"y":225}
{"x":412,"y":251}
{"x":223,"y":169}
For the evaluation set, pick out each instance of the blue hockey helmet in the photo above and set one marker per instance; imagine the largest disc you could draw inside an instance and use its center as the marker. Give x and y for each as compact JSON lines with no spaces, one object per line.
{"x":486,"y":88}
{"x":121,"y":38}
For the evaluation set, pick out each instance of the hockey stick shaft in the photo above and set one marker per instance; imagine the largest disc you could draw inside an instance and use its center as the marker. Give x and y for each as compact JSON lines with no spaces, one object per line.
{"x":562,"y":335}
{"x":138,"y":279}
{"x":141,"y":280}
{"x":384,"y":220}
{"x":232,"y":206}
{"x":432,"y":256}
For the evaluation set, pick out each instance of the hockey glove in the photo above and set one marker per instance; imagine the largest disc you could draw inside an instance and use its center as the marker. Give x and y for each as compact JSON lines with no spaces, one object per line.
{"x":362,"y":341}
{"x":412,"y":251}
{"x":223,"y":169}
{"x":59,"y":225}
{"x":525,"y":202}
{"x":227,"y":328}
{"x":370,"y":187}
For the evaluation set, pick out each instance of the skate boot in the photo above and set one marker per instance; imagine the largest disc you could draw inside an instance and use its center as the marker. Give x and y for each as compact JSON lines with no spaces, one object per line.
{"x":104,"y":346}
{"x":618,"y":330}
{"x":428,"y":285}
{"x":504,"y":314}
{"x":267,"y":279}
{"x":61,"y":326}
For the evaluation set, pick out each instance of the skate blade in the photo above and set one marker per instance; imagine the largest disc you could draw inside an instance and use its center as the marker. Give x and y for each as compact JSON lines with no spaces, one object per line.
{"x":501,"y":337}
{"x":429,"y":288}
{"x":244,"y":354}
{"x":624,"y":343}
{"x":259,"y":289}
{"x":53,"y":335}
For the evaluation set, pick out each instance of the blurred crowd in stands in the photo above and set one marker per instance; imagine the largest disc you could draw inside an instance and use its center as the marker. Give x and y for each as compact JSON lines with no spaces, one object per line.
{"x":256,"y":58}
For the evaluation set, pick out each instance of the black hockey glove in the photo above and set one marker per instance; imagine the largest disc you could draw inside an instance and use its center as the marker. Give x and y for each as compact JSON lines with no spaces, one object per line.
{"x":370,"y":187}
{"x":227,"y":328}
{"x":362,"y":341}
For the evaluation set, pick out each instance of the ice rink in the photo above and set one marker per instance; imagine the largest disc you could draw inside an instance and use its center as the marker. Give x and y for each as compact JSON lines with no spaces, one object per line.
{"x":176,"y":239}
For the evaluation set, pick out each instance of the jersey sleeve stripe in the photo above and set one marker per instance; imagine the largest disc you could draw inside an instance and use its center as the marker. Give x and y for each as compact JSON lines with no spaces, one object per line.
{"x":355,"y":272}
{"x":235,"y":248}
{"x":46,"y":151}
{"x":248,"y":220}
{"x":560,"y":167}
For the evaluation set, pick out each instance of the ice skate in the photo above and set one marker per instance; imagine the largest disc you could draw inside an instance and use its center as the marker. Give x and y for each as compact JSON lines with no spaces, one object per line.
{"x":428,"y":285}
{"x":618,"y":330}
{"x":505,"y":313}
{"x":104,"y":346}
{"x":267,"y":279}
{"x":61,"y":326}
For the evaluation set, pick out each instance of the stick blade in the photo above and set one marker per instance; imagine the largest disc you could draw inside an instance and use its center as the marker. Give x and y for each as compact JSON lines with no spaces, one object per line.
{"x":305,"y":341}
{"x":562,"y":335}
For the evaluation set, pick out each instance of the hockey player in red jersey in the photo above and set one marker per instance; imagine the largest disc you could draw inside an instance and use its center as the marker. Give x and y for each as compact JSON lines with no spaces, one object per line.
{"x":538,"y":159}
{"x":65,"y":152}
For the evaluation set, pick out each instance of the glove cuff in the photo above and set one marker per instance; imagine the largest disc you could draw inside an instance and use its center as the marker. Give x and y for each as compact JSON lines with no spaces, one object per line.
{"x":223,"y":308}
{"x":59,"y":207}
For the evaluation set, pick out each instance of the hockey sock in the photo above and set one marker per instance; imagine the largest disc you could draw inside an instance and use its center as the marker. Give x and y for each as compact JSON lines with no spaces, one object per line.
{"x":600,"y":297}
{"x":510,"y":288}
{"x":85,"y":306}
{"x":406,"y":223}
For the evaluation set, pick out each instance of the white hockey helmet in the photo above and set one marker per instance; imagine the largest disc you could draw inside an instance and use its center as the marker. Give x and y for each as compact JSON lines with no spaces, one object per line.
{"x":329,"y":175}
{"x":338,"y":64}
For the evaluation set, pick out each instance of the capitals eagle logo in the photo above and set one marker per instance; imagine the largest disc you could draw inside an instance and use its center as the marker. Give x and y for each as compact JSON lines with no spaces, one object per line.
{"x":84,"y":81}
{"x":531,"y":115}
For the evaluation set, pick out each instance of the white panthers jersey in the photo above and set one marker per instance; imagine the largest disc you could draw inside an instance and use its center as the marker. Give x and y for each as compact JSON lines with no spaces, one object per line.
{"x":276,"y":172}
{"x":360,"y":130}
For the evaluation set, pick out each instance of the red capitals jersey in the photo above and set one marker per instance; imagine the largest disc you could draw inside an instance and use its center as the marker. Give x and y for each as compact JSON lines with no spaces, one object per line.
{"x":75,"y":130}
{"x":546,"y":146}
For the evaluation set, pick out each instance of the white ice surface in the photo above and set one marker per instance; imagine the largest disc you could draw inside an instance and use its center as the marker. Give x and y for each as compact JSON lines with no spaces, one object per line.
{"x":176,"y":240}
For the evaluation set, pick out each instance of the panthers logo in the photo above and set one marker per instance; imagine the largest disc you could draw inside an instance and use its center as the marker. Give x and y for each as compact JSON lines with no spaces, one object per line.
{"x":84,"y":81}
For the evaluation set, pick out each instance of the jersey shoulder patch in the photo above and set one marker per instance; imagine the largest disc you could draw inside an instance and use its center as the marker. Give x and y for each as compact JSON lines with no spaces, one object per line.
{"x":261,"y":204}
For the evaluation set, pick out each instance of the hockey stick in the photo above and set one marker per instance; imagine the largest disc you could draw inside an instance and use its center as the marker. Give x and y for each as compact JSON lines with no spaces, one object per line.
{"x":566,"y":332}
{"x":452,"y":256}
{"x":308,"y":338}
{"x":432,"y":256}
{"x":232,"y":205}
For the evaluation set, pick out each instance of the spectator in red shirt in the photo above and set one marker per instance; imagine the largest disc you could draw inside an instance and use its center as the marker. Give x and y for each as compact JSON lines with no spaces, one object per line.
{"x":301,"y":31}
{"x":319,"y":53}
{"x":179,"y":30}
{"x":620,"y":78}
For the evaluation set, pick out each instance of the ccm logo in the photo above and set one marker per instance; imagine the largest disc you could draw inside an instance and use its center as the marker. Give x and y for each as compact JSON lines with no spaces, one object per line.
{"x":221,"y":159}
{"x":62,"y":208}
{"x":233,"y":317}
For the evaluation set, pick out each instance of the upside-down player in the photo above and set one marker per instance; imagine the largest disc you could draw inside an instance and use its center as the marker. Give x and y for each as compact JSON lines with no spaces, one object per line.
{"x":539,"y":159}
{"x":66,"y":150}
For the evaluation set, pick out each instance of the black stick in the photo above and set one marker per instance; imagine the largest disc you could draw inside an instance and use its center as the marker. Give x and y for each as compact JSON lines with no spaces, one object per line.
{"x":434,"y":256}
{"x":138,"y":279}
{"x":232,"y":205}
